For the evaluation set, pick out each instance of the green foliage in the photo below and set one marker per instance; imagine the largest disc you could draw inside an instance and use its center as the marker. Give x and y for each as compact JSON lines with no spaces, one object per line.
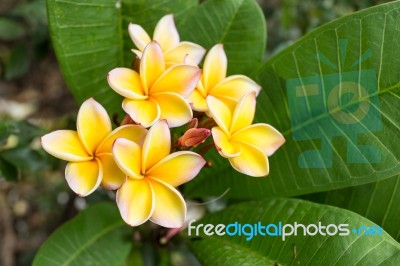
{"x":91,"y":38}
{"x":96,"y":236}
{"x":375,"y":29}
{"x":20,"y":156}
{"x":10,"y":30}
{"x":7,"y":170}
{"x":24,"y":32}
{"x":25,"y":131}
{"x":378,"y":201}
{"x":295,"y":250}
{"x":17,"y":63}
{"x":238,"y":24}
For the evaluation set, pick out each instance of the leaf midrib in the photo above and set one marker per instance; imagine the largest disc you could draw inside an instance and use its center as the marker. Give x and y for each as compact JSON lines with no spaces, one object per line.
{"x":350,"y":216}
{"x":245,"y":249}
{"x":278,"y":56}
{"x":97,"y":236}
{"x":230,"y":22}
{"x":339,"y":108}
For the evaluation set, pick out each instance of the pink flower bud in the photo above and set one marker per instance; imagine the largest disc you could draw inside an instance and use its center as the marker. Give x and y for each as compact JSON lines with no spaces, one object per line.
{"x":194,"y":137}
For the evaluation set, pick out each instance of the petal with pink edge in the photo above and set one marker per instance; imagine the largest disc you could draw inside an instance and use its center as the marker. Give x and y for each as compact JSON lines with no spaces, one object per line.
{"x":127,"y":155}
{"x":93,"y":124}
{"x":131,"y":132}
{"x":152,"y":65}
{"x":113,"y":177}
{"x":173,"y":108}
{"x":157,"y":145}
{"x":84,"y":177}
{"x":177,"y":168}
{"x":252,"y":161}
{"x":126,"y":82}
{"x":65,"y":145}
{"x":135,"y":200}
{"x":243,"y":114}
{"x":223,"y":144}
{"x":139,"y":36}
{"x":144,"y":112}
{"x":214,"y":68}
{"x":169,"y":206}
{"x":263,"y":136}
{"x":181,"y":79}
{"x":177,"y":54}
{"x":165,"y":33}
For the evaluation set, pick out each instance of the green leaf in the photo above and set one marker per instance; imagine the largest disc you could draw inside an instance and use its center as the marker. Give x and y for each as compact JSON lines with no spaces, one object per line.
{"x":378,"y":201}
{"x":24,"y":158}
{"x":238,"y":24}
{"x":322,"y":152}
{"x":8,"y":171}
{"x":17,"y":63}
{"x":351,"y":249}
{"x":91,"y":38}
{"x":24,"y":130}
{"x":10,"y":30}
{"x":96,"y":236}
{"x":4,"y":133}
{"x":34,"y":12}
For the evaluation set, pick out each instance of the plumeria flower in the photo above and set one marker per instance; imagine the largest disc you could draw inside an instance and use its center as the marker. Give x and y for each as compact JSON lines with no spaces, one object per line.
{"x":195,"y":211}
{"x":152,"y":175}
{"x":156,"y":93}
{"x":214,"y":82}
{"x":245,"y":145}
{"x":167,"y":36}
{"x":88,"y":149}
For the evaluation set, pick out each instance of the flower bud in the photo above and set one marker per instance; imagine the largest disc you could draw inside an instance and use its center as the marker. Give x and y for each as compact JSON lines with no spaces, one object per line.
{"x":194,"y":137}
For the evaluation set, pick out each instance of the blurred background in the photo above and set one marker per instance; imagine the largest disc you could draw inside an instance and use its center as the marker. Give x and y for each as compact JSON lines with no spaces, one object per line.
{"x":34,"y":197}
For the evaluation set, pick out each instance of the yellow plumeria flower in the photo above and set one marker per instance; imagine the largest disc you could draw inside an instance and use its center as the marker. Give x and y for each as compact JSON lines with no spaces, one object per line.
{"x":88,"y":149}
{"x":245,"y":145}
{"x":157,"y":93}
{"x":167,"y":36}
{"x":214,"y":82}
{"x":152,"y":175}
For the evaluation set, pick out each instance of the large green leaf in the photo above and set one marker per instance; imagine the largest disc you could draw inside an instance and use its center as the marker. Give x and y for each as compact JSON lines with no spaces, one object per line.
{"x":378,"y":201}
{"x":91,"y":37}
{"x":96,"y":236}
{"x":238,"y":24}
{"x":352,"y":249}
{"x":357,"y":49}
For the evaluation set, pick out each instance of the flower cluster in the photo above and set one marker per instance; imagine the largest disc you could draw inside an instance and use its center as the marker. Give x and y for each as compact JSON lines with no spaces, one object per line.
{"x":166,"y":90}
